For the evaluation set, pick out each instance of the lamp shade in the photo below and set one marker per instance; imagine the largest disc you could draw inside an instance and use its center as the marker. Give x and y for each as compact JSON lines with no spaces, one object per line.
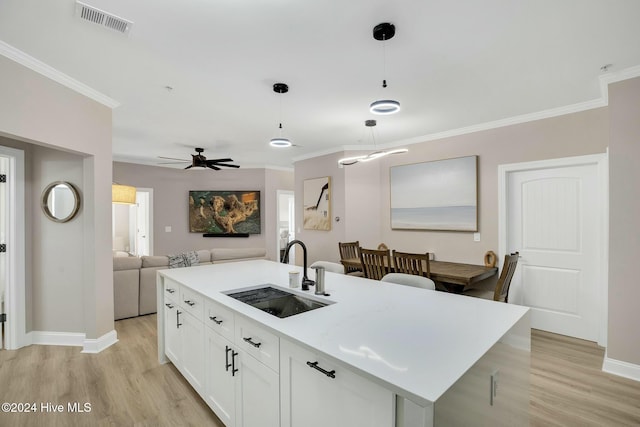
{"x":124,"y":194}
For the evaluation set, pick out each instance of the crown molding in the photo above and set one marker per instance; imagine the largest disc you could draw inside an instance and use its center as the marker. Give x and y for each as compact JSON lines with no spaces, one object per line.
{"x":602,"y":101}
{"x":608,"y":78}
{"x":40,"y":67}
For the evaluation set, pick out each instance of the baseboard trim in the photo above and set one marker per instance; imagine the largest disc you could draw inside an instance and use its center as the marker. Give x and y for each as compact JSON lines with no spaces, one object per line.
{"x":97,"y":345}
{"x":73,"y":340}
{"x":621,"y":369}
{"x":56,"y":338}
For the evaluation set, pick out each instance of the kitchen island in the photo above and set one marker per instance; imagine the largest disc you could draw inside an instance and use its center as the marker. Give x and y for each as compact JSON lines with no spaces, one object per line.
{"x":377,"y":354}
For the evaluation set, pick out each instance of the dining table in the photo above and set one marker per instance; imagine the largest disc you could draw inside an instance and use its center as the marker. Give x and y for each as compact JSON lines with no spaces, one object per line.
{"x":455,"y":276}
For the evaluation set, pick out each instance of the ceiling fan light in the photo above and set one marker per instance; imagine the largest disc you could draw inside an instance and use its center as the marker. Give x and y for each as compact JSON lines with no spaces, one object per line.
{"x":280,"y":142}
{"x":384,"y":107}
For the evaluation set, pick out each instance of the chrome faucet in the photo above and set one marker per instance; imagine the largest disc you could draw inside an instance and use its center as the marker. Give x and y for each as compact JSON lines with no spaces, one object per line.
{"x":306,"y":282}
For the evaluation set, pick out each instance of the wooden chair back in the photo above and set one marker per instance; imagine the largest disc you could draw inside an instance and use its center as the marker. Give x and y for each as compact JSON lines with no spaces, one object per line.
{"x":349,"y":250}
{"x":375,"y":263}
{"x":504,"y":281}
{"x":408,"y":263}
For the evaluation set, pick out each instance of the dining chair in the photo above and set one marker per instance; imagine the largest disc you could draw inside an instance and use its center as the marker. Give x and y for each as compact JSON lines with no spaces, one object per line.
{"x":333,"y":267}
{"x":349,"y":252}
{"x":501,"y":291}
{"x":408,"y":263}
{"x":375,"y":263}
{"x":409,"y":280}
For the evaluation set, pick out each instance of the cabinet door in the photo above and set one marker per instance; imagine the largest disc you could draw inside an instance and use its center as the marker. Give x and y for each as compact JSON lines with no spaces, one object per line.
{"x":171,"y":332}
{"x":311,"y":398}
{"x":219,"y":383}
{"x":257,"y":393}
{"x":192,"y":351}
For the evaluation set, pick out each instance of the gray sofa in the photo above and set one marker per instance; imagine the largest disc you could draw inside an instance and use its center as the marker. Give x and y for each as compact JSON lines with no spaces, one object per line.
{"x":134,"y":278}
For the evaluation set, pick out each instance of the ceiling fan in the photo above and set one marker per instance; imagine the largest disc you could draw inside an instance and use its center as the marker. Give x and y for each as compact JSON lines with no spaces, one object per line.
{"x":200,"y":161}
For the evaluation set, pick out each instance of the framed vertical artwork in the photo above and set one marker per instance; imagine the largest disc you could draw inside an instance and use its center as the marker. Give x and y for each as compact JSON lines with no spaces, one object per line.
{"x":316,"y":194}
{"x":438,"y":195}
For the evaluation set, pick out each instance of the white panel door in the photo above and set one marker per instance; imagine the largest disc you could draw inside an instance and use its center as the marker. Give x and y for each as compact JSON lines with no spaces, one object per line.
{"x":554,"y":221}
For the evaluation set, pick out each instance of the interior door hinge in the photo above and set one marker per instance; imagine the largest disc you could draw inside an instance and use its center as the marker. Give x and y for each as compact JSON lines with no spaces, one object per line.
{"x":3,"y":317}
{"x":3,"y":178}
{"x":3,"y":247}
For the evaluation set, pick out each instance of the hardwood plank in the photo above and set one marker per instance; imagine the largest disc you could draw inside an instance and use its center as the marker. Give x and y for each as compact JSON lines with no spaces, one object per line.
{"x":126,"y":385}
{"x":568,"y":387}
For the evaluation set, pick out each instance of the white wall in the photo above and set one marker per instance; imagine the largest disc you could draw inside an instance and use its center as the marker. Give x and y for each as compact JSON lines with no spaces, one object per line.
{"x":35,"y":111}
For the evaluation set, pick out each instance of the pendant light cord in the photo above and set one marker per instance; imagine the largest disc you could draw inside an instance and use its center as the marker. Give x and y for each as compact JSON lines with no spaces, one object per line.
{"x":384,"y":61}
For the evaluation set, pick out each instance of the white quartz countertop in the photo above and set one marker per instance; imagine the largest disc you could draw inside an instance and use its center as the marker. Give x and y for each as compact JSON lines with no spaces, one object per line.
{"x":414,"y":341}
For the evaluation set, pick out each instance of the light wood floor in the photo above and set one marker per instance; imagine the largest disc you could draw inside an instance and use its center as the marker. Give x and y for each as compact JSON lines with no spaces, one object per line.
{"x":126,"y":386}
{"x":568,"y":387}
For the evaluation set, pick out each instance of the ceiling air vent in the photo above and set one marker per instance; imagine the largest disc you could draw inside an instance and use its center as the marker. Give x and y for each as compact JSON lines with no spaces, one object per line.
{"x":100,"y":17}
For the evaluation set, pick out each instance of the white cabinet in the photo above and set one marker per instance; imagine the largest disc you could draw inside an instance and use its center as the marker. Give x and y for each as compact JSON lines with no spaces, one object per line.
{"x":172,"y":343}
{"x":220,"y":377}
{"x":318,"y":392}
{"x":192,"y":347}
{"x":257,"y":393}
{"x":184,"y":333}
{"x":242,"y":391}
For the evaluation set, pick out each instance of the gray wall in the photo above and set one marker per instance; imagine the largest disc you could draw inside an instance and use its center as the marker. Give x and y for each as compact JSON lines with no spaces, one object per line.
{"x":171,"y":195}
{"x":624,"y":228}
{"x":569,"y":135}
{"x":69,"y":285}
{"x":616,"y":126}
{"x":360,"y":193}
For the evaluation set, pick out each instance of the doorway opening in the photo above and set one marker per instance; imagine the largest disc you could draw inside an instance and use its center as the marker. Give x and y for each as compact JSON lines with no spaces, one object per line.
{"x":285,"y":223}
{"x":132,"y":227}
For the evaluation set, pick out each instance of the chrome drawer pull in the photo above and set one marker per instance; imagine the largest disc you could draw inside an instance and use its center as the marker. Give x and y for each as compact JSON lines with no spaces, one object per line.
{"x":215,"y":319}
{"x":314,"y":365}
{"x":255,"y":344}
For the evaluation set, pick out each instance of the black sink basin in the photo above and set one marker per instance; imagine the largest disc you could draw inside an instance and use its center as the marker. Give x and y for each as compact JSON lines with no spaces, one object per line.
{"x":276,"y":301}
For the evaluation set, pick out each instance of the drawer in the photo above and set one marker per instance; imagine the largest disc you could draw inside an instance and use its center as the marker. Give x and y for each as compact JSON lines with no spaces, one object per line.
{"x":219,"y":318}
{"x":171,"y":290}
{"x":258,"y":342}
{"x":192,"y":302}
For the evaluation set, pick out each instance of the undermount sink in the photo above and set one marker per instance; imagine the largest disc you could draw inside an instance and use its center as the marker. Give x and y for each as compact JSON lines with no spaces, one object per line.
{"x":277,"y":302}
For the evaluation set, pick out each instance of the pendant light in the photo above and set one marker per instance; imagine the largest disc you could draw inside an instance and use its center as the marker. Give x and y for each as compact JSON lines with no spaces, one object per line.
{"x":383,"y":32}
{"x":123,"y":194}
{"x":280,"y":141}
{"x":371,"y":156}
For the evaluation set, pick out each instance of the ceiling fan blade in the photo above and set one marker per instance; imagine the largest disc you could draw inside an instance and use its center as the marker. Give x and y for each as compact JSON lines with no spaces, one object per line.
{"x":189,"y":167}
{"x":229,"y":166}
{"x":219,"y":160}
{"x":173,"y":158}
{"x":213,"y":167}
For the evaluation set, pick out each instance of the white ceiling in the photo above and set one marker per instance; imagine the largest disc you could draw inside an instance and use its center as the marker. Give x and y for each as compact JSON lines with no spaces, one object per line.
{"x":452,"y":65}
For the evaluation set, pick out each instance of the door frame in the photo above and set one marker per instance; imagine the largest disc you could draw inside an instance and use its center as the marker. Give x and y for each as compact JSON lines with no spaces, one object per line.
{"x":149,"y":217}
{"x":279,"y":193}
{"x":15,"y":294}
{"x":602,"y":163}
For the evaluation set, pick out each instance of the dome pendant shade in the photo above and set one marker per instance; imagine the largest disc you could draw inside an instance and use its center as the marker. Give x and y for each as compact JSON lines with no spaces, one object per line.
{"x":384,"y":106}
